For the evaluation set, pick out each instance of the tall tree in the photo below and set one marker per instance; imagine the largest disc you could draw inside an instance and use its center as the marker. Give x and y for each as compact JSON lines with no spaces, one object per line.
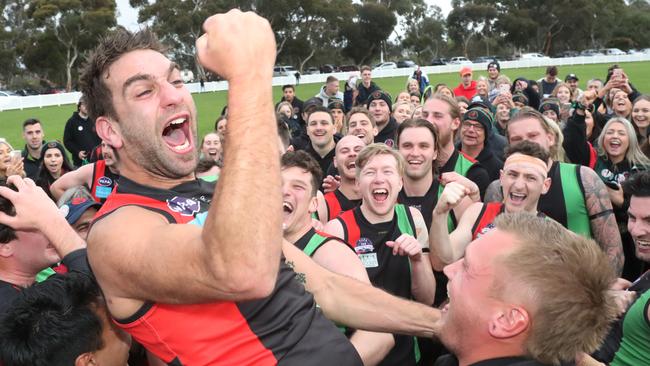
{"x":76,"y":25}
{"x":366,"y":32}
{"x":470,"y":21}
{"x":424,"y":36}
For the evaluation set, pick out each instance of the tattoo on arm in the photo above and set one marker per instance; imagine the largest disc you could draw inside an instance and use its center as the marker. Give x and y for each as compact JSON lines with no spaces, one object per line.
{"x":493,"y":192}
{"x":603,"y":222}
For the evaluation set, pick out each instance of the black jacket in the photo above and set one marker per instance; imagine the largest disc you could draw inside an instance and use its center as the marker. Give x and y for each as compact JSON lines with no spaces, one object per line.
{"x":79,"y":135}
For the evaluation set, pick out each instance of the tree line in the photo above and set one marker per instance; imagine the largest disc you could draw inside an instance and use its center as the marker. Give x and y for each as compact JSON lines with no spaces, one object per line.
{"x":45,"y":42}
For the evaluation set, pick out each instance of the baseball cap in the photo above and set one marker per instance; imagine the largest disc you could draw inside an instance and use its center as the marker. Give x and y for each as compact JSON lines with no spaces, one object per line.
{"x":465,"y":70}
{"x":73,"y":209}
{"x":571,"y":77}
{"x":312,"y":102}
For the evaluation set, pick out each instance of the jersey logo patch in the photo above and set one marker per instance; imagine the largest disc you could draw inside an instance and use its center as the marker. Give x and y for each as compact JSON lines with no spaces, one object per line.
{"x":389,"y":142}
{"x":485,"y":230}
{"x":364,"y":245}
{"x":105,"y":181}
{"x":184,"y":206}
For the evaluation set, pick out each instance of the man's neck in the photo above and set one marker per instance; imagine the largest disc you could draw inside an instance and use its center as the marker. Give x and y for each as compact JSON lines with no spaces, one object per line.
{"x":467,"y":85}
{"x":367,"y":84}
{"x":445,"y":153}
{"x":34,"y":153}
{"x":381,"y":126}
{"x":293,"y":236}
{"x":17,"y":278}
{"x":137,"y":174}
{"x":502,"y":123}
{"x":473,"y":151}
{"x":83,"y":115}
{"x":550,"y":79}
{"x":418,"y":187}
{"x":374,"y":218}
{"x":488,"y":351}
{"x":323,"y":151}
{"x":349,"y":189}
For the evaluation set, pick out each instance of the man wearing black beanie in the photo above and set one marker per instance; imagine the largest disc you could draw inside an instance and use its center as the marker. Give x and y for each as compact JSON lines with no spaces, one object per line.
{"x":474,"y":131}
{"x":379,"y":103}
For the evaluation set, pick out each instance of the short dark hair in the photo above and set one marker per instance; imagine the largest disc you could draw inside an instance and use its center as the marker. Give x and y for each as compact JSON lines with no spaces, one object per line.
{"x":216,"y":123}
{"x":206,"y":164}
{"x":364,"y":68}
{"x":528,"y":148}
{"x":414,"y":123}
{"x":302,"y":160}
{"x":53,"y":322}
{"x":30,"y":122}
{"x":551,"y":70}
{"x":7,"y":233}
{"x":638,"y":184}
{"x":320,"y":108}
{"x":109,"y":50}
{"x":288,"y":86}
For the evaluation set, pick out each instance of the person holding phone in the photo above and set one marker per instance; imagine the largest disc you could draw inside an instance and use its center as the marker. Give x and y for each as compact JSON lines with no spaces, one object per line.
{"x":616,"y":158}
{"x":11,"y":161}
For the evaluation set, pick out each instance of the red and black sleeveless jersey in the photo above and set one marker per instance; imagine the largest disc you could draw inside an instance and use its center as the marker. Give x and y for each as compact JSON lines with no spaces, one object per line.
{"x":483,"y":222}
{"x":425,"y":204}
{"x":103,"y":181}
{"x":284,"y":328}
{"x":385,"y":270}
{"x":336,"y":202}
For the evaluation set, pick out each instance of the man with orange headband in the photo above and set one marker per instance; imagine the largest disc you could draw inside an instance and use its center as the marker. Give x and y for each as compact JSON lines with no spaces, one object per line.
{"x":523,"y":178}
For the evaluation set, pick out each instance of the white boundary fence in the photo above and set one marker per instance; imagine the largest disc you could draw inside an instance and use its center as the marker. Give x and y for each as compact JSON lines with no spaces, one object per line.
{"x":39,"y":101}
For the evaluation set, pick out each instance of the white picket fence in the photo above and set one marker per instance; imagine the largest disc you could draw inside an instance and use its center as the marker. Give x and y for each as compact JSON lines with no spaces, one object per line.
{"x":39,"y":101}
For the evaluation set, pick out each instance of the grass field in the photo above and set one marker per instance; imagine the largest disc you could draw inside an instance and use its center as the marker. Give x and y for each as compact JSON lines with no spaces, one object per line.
{"x":209,"y":105}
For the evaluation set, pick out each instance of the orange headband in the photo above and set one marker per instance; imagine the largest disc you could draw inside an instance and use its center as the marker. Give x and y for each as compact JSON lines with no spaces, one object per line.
{"x":518,"y":158}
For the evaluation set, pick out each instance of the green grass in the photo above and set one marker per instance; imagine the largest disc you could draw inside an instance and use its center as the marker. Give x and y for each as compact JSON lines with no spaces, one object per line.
{"x":209,"y":105}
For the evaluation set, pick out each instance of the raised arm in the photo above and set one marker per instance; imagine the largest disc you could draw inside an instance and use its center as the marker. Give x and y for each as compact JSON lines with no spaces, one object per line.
{"x":230,"y":258}
{"x":79,"y":177}
{"x":601,"y":217}
{"x":361,"y":306}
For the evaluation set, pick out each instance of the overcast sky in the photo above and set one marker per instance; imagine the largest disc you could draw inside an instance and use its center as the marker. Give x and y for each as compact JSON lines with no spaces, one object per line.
{"x":128,"y":17}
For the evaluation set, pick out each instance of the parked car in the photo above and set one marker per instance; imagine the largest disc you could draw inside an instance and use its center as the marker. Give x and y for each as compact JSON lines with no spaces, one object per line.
{"x":312,"y":70}
{"x":348,"y":68}
{"x":284,"y":71}
{"x":612,"y":52}
{"x":645,"y":50}
{"x":405,"y":64}
{"x":633,"y":52}
{"x":568,"y":54}
{"x":591,"y":52}
{"x":328,"y":68}
{"x":27,"y":91}
{"x":483,"y":59}
{"x":438,"y":61}
{"x":385,"y":66}
{"x":533,"y":56}
{"x":7,"y":93}
{"x":459,"y":60}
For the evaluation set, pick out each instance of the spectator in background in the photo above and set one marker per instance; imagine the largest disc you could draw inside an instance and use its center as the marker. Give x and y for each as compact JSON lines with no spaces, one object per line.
{"x":463,"y":103}
{"x":336,"y":108}
{"x":550,"y":108}
{"x":33,"y":135}
{"x":62,"y":321}
{"x":379,"y":105}
{"x":220,"y":125}
{"x":443,"y":89}
{"x":320,"y":129}
{"x":211,"y":147}
{"x":421,"y":78}
{"x":413,"y":86}
{"x":402,"y":111}
{"x":572,"y":81}
{"x":475,"y":129}
{"x":482,"y":88}
{"x":54,"y":163}
{"x":289,"y":95}
{"x":403,"y":96}
{"x":415,"y":98}
{"x":501,"y":85}
{"x":10,"y":164}
{"x":366,"y":86}
{"x":641,"y":117}
{"x":524,"y":86}
{"x":330,"y":90}
{"x":549,"y":82}
{"x":467,"y":86}
{"x":595,"y":85}
{"x":503,"y":105}
{"x":519,"y":99}
{"x":361,"y":123}
{"x":79,"y":135}
{"x":562,"y":93}
{"x":494,"y":71}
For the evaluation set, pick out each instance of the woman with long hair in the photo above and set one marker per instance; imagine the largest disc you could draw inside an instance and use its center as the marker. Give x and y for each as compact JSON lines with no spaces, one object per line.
{"x":54,"y":163}
{"x":10,"y":164}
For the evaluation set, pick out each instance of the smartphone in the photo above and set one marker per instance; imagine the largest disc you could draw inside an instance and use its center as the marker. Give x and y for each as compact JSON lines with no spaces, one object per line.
{"x":612,"y":185}
{"x":503,"y":88}
{"x":16,"y":155}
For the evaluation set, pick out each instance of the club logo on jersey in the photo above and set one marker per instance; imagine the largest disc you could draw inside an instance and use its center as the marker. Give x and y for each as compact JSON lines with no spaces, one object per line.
{"x":184,"y":206}
{"x":364,"y":245}
{"x":389,"y":142}
{"x":485,"y":230}
{"x":105,"y":181}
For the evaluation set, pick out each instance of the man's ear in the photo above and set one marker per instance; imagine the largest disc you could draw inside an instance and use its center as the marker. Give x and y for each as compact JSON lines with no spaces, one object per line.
{"x":509,"y":322}
{"x":7,"y":249}
{"x":85,"y":359}
{"x":109,"y":131}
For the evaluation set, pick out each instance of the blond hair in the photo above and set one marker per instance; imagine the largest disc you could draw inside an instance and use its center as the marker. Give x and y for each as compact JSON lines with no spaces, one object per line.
{"x":376,"y":149}
{"x":549,"y":126}
{"x":565,"y":278}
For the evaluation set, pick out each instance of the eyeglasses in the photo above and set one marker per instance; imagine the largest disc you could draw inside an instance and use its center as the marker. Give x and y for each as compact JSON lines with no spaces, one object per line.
{"x":475,"y":126}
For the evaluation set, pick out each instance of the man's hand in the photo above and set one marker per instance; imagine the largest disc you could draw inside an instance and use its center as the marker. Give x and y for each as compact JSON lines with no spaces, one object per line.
{"x":331,"y":184}
{"x":34,"y":208}
{"x":16,"y":168}
{"x":472,"y":189}
{"x":406,"y":245}
{"x":82,"y":155}
{"x":237,"y":44}
{"x":450,"y":198}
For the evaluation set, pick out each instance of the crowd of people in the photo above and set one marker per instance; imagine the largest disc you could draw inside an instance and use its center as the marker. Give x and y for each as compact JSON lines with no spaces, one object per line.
{"x":499,"y":222}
